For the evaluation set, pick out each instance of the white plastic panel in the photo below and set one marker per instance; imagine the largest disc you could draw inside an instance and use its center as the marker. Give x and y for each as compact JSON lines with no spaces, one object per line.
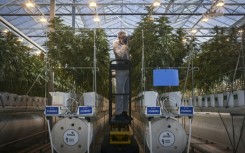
{"x":189,"y":102}
{"x":204,"y":101}
{"x":210,"y":100}
{"x":238,"y":97}
{"x":60,"y":98}
{"x":149,"y":98}
{"x":198,"y":100}
{"x":218,"y":100}
{"x":228,"y":99}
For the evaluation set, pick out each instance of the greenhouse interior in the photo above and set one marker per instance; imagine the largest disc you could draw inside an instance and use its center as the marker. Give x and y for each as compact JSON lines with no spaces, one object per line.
{"x":122,"y":76}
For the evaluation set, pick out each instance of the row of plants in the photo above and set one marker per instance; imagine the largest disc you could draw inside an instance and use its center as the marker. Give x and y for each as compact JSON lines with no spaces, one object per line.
{"x":70,"y":60}
{"x":18,"y":68}
{"x":218,"y":62}
{"x":71,"y":57}
{"x":162,"y":49}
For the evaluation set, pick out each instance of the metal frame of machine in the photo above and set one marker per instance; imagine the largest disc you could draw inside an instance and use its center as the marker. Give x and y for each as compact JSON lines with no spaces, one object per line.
{"x":121,"y":137}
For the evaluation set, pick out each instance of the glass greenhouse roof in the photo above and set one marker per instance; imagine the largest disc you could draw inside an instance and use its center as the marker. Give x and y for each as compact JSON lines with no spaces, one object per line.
{"x":114,"y":15}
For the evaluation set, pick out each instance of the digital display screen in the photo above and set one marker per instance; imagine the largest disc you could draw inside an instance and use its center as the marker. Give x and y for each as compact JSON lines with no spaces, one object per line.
{"x":165,"y":77}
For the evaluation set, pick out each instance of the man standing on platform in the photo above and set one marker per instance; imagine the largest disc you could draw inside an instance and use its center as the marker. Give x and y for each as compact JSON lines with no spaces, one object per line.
{"x":120,"y":48}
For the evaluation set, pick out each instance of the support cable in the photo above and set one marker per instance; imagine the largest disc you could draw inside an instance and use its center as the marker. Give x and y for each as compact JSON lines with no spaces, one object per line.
{"x":233,"y":79}
{"x":234,"y":76}
{"x":35,"y":80}
{"x":188,"y":68}
{"x":226,"y":130}
{"x":241,"y":132}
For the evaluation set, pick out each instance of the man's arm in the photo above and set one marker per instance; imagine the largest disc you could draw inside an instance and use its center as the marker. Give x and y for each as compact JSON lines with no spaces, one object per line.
{"x":121,"y":51}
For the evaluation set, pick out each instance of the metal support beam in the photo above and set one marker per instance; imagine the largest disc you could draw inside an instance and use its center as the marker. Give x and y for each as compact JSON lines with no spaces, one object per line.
{"x":138,"y":4}
{"x":52,"y":9}
{"x":168,"y":6}
{"x":117,"y":14}
{"x":73,"y":14}
{"x":17,"y":31}
{"x":43,"y":36}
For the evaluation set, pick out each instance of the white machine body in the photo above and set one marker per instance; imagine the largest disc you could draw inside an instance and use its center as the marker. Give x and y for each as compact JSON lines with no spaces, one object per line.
{"x":71,"y":135}
{"x":168,"y":136}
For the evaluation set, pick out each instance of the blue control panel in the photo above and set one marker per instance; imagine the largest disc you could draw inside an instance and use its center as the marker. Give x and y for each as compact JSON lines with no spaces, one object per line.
{"x":85,"y":111}
{"x":52,"y":110}
{"x":186,"y":111}
{"x":153,"y":111}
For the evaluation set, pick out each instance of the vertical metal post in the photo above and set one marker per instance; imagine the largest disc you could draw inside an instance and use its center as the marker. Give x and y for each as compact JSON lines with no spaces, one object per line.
{"x":50,"y":135}
{"x":143,"y":64}
{"x":49,"y":86}
{"x":150,"y":135}
{"x":243,"y":61}
{"x":95,"y":64}
{"x":192,"y":72}
{"x":52,"y":12}
{"x":88,"y":144}
{"x":94,"y":70}
{"x":73,"y":14}
{"x":48,"y":72}
{"x":189,"y":138}
{"x":52,"y":9}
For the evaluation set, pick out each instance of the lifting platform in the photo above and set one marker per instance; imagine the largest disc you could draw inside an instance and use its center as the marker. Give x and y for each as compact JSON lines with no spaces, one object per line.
{"x":120,"y":137}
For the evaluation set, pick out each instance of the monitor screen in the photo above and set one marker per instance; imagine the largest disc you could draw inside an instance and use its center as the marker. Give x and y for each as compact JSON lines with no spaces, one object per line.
{"x":165,"y":77}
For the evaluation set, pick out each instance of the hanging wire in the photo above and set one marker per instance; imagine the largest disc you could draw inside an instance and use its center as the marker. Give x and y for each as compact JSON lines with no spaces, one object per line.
{"x":226,"y":130}
{"x":35,"y":80}
{"x":188,"y":69}
{"x":241,"y":133}
{"x":242,"y":126}
{"x":233,"y":79}
{"x":234,"y":75}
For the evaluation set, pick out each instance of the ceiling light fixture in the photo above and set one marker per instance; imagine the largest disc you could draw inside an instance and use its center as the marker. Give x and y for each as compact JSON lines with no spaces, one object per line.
{"x":240,"y":31}
{"x":184,"y":40}
{"x":92,"y":4}
{"x":42,"y":19}
{"x":30,"y":46}
{"x":38,"y":52}
{"x":97,"y":19}
{"x":156,"y":3}
{"x":205,"y":19}
{"x":30,"y":4}
{"x":20,"y":39}
{"x":193,"y":31}
{"x":220,"y":3}
{"x":5,"y":30}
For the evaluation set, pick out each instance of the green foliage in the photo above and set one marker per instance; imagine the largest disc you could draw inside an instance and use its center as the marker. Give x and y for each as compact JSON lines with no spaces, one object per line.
{"x":217,"y":60}
{"x":74,"y":51}
{"x":162,"y":48}
{"x":18,"y":69}
{"x":71,"y":49}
